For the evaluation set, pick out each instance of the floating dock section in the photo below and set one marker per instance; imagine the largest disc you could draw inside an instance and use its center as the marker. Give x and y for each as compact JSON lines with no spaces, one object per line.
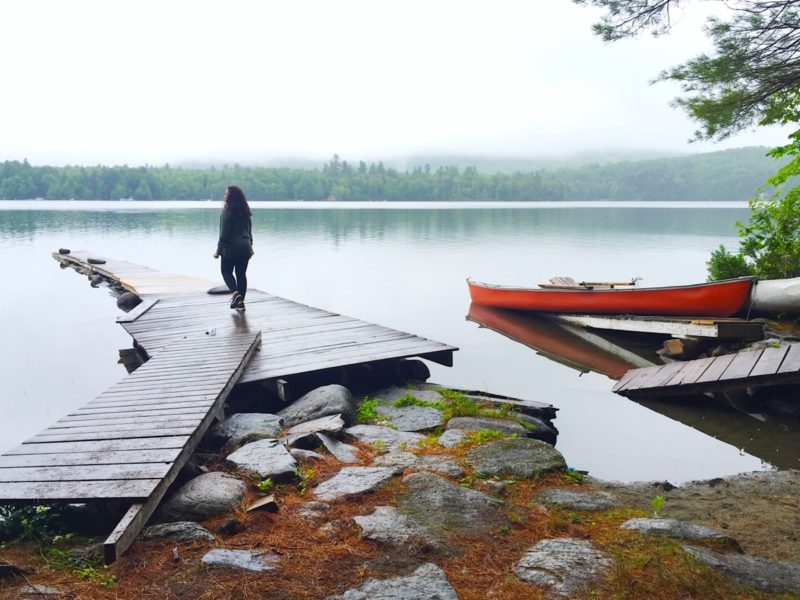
{"x":754,"y":368}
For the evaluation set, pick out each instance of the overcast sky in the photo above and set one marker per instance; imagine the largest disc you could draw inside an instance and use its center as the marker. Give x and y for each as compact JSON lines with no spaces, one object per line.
{"x":111,"y":82}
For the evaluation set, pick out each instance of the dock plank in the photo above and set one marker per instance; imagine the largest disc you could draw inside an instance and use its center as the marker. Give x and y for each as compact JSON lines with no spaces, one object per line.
{"x":741,"y":365}
{"x":114,"y":472}
{"x":770,"y":361}
{"x":89,"y":458}
{"x":716,"y":368}
{"x":691,"y":373}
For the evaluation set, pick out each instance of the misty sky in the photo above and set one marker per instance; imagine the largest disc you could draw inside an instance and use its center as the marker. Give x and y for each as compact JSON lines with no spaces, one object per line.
{"x":111,"y":82}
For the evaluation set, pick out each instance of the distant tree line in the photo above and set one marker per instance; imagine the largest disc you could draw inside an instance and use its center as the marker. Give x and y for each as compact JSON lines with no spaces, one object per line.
{"x":726,"y":175}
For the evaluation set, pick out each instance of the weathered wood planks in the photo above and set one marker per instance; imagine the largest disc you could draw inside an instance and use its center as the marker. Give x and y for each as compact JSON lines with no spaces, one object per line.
{"x":771,"y":366}
{"x":127,"y":444}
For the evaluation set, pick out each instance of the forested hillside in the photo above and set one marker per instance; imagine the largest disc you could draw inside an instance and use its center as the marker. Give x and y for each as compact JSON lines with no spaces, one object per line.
{"x":727,"y":175}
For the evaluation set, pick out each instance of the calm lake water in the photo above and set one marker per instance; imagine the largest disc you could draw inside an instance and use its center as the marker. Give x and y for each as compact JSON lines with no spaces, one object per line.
{"x":399,"y":265}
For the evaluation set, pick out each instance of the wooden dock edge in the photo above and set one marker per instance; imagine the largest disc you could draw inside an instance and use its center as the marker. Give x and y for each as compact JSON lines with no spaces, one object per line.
{"x":137,"y":516}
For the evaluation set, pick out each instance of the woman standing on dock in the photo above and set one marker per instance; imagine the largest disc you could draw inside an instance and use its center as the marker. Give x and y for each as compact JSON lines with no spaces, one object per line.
{"x":235,"y":244}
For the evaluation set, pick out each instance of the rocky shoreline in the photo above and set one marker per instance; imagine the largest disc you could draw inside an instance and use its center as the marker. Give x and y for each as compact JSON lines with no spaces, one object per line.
{"x":416,"y":491}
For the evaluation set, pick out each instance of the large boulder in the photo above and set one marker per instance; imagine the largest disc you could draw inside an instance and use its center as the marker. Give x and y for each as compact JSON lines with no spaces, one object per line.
{"x":522,"y":458}
{"x":420,"y":462}
{"x":241,"y":428}
{"x":428,"y":582}
{"x":761,"y":573}
{"x":681,"y":530}
{"x":266,"y":458}
{"x":204,"y":497}
{"x":576,"y":499}
{"x":564,"y":566}
{"x":352,"y":481}
{"x":388,"y":525}
{"x":438,"y":505}
{"x":411,"y":418}
{"x":244,"y":560}
{"x":384,"y":436}
{"x":321,"y":402}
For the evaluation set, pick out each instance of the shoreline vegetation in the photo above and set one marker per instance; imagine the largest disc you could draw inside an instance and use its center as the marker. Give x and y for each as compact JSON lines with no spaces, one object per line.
{"x":726,"y":175}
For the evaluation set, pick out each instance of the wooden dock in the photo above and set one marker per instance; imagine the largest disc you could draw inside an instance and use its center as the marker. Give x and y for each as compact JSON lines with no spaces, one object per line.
{"x":297,"y":338}
{"x":129,"y":443}
{"x":756,"y":368}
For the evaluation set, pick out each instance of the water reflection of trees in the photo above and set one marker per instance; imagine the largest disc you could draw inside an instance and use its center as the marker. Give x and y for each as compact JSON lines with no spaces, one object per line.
{"x":344,"y":223}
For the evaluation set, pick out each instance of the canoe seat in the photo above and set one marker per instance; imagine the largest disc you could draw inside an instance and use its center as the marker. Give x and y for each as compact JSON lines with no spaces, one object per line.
{"x":564,"y":283}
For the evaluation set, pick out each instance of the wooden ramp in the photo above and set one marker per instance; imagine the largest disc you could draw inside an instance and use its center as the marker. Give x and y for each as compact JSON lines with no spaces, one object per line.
{"x":756,"y":368}
{"x":296,"y":338}
{"x":129,"y":443}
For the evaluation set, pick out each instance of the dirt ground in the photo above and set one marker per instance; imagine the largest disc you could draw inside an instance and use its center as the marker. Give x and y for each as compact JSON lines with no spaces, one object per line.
{"x":761,"y":510}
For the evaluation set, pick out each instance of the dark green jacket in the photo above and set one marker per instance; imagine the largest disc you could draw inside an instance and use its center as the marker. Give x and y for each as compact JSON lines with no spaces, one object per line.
{"x":235,"y":235}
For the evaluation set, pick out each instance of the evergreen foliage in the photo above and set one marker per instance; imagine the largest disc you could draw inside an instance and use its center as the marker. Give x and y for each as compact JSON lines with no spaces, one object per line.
{"x":727,"y":175}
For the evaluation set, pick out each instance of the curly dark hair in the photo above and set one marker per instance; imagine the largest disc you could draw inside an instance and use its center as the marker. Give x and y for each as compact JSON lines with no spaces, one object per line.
{"x":236,"y":201}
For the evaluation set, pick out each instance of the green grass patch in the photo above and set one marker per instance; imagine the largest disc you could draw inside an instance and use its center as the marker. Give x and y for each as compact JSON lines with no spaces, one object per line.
{"x":411,"y":400}
{"x":365,"y":413}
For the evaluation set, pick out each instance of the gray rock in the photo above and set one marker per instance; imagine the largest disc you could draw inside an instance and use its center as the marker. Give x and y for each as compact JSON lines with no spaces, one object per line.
{"x":351,"y":481}
{"x":388,"y":525}
{"x":342,"y":452}
{"x":522,"y":458}
{"x":128,"y":301}
{"x":182,"y":531}
{"x":478,"y":423}
{"x":301,"y":431}
{"x":390,"y":395}
{"x":96,"y":280}
{"x":391,"y":438}
{"x":428,"y":582}
{"x":321,"y":402}
{"x":425,"y":462}
{"x":452,"y":438}
{"x":565,"y":566}
{"x":304,"y":456}
{"x":576,"y":500}
{"x":241,"y":428}
{"x":542,"y":431}
{"x":39,"y":590}
{"x":411,"y":418}
{"x":267,"y":458}
{"x":437,"y":505}
{"x":682,"y":531}
{"x":204,"y":497}
{"x":246,"y":560}
{"x":760,"y":573}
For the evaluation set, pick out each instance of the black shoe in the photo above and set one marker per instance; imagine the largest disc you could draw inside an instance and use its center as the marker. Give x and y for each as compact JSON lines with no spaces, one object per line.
{"x":236,"y":297}
{"x":239,"y":303}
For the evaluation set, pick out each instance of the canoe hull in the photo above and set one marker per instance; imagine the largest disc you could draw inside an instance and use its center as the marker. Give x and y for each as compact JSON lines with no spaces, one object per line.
{"x":715,"y":299}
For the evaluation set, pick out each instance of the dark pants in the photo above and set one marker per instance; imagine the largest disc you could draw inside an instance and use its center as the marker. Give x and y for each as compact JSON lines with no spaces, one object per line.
{"x":238,"y":283}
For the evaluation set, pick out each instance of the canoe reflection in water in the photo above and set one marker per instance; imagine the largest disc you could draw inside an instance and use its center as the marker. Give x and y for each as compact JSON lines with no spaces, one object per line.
{"x":774,"y":440}
{"x":570,"y":346}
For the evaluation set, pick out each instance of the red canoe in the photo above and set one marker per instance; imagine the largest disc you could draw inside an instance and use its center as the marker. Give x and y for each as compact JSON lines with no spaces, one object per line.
{"x":715,"y":299}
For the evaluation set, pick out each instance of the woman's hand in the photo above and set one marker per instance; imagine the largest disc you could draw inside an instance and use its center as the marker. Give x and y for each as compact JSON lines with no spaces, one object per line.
{"x":216,"y":254}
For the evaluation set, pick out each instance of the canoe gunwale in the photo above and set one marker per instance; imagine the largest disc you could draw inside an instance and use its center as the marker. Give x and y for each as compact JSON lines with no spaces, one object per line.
{"x":614,"y":290}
